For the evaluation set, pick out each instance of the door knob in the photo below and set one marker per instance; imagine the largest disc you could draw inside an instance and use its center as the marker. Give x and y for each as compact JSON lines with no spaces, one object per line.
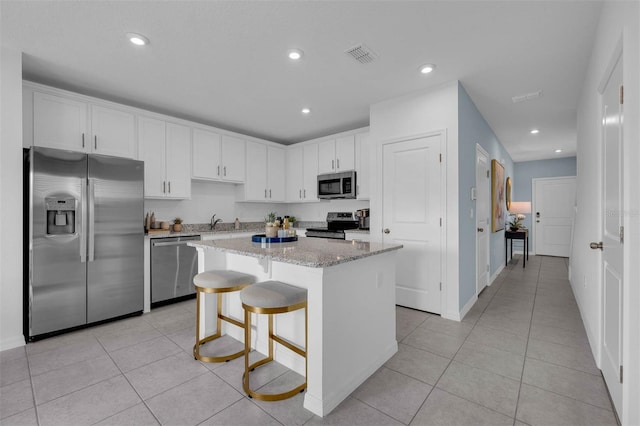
{"x":480,"y":229}
{"x":386,"y":230}
{"x":596,"y":246}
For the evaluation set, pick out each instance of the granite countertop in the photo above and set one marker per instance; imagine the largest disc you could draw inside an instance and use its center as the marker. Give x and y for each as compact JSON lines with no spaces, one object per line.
{"x":311,"y":252}
{"x":229,"y":228}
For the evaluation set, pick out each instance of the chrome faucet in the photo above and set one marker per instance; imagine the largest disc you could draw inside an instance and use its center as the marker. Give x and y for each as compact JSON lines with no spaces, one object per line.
{"x":214,"y":221}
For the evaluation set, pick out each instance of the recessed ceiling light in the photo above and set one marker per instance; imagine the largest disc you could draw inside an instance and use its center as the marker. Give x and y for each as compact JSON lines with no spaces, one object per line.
{"x":535,"y":131}
{"x":295,"y":54}
{"x":558,"y":151}
{"x":427,"y":68}
{"x":306,"y":110}
{"x":137,"y":39}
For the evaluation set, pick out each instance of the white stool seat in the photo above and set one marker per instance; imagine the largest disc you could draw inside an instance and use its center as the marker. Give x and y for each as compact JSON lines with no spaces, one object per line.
{"x":272,"y":294}
{"x":218,"y":279}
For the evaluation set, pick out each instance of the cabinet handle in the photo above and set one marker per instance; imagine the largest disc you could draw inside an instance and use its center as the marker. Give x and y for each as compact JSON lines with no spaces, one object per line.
{"x":169,"y":187}
{"x":95,"y":142}
{"x":83,"y":140}
{"x":304,"y":192}
{"x":269,"y":193}
{"x":333,"y":162}
{"x":357,"y":189}
{"x":300,"y":194}
{"x":164,"y":186}
{"x":225,"y":170}
{"x":338,"y":163}
{"x":218,"y":170}
{"x":265,"y":193}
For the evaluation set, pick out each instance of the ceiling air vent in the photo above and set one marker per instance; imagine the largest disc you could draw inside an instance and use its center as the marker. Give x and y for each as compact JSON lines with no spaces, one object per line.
{"x":362,"y":54}
{"x":526,"y":97}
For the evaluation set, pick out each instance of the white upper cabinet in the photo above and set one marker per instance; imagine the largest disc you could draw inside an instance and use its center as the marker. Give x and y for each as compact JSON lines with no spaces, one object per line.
{"x":336,"y":155}
{"x":216,"y":157}
{"x":64,"y":123}
{"x":265,"y":173}
{"x":233,"y":159}
{"x":165,"y":150}
{"x":113,"y":132}
{"x":205,"y":155}
{"x":60,"y":122}
{"x":363,"y":166}
{"x":302,"y":173}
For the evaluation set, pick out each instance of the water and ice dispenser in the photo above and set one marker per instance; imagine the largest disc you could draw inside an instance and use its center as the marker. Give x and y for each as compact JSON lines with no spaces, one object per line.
{"x":61,"y":215}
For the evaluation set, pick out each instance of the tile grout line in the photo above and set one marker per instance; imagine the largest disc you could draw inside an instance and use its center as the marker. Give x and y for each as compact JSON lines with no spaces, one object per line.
{"x":451,"y":361}
{"x":524,"y":363}
{"x":33,"y":392}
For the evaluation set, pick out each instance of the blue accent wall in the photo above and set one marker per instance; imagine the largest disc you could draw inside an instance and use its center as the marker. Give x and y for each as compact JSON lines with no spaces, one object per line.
{"x":472,"y":129}
{"x":526,"y":171}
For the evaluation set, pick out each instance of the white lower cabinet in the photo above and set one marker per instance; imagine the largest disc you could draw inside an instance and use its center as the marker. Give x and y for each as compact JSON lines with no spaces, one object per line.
{"x":265,"y":173}
{"x":165,"y":149}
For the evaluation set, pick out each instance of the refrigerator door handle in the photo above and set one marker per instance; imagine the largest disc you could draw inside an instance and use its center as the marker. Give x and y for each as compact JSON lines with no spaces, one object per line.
{"x":83,"y":222}
{"x":92,"y":221}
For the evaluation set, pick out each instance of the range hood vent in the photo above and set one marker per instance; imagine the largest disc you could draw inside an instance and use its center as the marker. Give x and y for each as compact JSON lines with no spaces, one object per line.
{"x":361,"y":53}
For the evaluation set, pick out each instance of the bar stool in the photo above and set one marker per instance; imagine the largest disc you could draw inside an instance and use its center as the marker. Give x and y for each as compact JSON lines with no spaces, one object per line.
{"x":272,"y":297}
{"x":217,"y":282}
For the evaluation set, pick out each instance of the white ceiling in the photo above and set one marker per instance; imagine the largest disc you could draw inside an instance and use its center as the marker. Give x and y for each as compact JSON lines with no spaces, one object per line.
{"x":225,"y":63}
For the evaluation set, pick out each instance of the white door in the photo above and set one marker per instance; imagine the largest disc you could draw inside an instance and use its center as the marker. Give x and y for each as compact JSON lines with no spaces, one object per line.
{"x":553,"y":207}
{"x":59,"y":122}
{"x":276,"y":174}
{"x":345,"y":153}
{"x":152,"y":135}
{"x":178,"y":161}
{"x":483,"y":223}
{"x":255,"y":185}
{"x":310,"y":170}
{"x":613,"y":236}
{"x":205,"y":155}
{"x":327,"y":156}
{"x":295,"y":174}
{"x":411,"y":216}
{"x":233,"y":159}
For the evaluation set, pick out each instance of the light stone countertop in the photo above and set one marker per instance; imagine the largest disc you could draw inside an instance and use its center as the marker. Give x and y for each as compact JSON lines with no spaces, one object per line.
{"x":310,"y":252}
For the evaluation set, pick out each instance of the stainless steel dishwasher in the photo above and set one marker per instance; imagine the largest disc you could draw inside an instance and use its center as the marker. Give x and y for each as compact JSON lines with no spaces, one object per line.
{"x":173,"y":266}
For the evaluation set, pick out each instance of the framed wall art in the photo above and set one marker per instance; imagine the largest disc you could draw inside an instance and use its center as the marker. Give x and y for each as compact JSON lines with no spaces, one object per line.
{"x":497,"y":196}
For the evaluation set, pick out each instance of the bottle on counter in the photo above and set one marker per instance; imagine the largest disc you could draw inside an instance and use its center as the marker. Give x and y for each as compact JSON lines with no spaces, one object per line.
{"x":237,"y":224}
{"x":153,"y":220}
{"x":285,"y":223}
{"x":147,"y":222}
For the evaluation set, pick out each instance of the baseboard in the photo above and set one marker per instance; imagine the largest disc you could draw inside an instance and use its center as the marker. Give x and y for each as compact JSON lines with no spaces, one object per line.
{"x":324,"y":407}
{"x":466,"y":308}
{"x":495,"y":274}
{"x":12,"y":342}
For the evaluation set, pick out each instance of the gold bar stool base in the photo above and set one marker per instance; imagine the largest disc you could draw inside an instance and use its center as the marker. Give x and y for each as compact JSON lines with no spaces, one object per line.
{"x":217,"y":282}
{"x":292,"y":298}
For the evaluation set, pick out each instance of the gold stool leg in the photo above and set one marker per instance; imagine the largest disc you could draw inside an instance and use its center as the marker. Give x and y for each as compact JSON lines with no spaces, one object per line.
{"x":217,"y":334}
{"x":250,"y":367}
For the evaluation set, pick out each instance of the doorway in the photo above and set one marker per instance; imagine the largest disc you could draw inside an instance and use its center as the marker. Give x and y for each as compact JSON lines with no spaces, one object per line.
{"x":554,"y":201}
{"x":412,"y":216}
{"x":483,"y":214}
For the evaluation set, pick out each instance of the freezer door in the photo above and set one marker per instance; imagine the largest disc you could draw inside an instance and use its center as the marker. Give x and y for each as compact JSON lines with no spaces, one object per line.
{"x":115,"y":243}
{"x":57,"y":282}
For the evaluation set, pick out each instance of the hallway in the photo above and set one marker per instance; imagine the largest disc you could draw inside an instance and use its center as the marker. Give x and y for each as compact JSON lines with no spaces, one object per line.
{"x":520,"y":356}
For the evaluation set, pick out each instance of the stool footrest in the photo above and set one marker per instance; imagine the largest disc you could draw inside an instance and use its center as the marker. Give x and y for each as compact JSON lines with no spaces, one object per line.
{"x":268,"y":396}
{"x":288,"y":344}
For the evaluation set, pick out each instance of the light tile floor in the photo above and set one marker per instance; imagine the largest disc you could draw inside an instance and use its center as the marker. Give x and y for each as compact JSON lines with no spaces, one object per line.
{"x":520,"y":356}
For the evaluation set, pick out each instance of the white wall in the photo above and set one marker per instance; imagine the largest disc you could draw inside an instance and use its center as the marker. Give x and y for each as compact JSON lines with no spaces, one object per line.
{"x":11,"y":200}
{"x":419,"y":113}
{"x":619,"y":21}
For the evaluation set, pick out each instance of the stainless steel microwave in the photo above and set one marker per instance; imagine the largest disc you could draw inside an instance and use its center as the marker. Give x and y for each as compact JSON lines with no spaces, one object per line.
{"x":337,"y":185}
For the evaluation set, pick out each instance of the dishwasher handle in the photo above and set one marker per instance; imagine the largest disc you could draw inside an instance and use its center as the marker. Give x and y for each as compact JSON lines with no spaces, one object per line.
{"x":180,"y":242}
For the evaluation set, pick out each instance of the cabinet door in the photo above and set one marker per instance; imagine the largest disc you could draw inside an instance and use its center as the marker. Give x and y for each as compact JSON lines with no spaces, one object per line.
{"x":345,"y":153}
{"x":255,"y":185}
{"x":152,"y":134}
{"x":276,"y":174}
{"x":310,"y":188}
{"x":327,"y":157}
{"x":59,"y":123}
{"x":113,"y":132}
{"x":205,"y":155}
{"x":233,"y":159}
{"x":178,"y":161}
{"x":295,"y":177}
{"x":363,"y":166}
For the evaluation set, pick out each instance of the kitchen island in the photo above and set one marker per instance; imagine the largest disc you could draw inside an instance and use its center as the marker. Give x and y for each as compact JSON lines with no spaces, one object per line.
{"x":351,"y":303}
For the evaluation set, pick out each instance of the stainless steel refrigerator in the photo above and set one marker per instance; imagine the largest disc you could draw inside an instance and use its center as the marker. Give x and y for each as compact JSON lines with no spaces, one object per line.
{"x":85,"y":244}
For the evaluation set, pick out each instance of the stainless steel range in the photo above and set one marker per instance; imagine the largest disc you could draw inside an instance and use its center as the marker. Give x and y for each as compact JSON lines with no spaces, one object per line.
{"x":337,"y":223}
